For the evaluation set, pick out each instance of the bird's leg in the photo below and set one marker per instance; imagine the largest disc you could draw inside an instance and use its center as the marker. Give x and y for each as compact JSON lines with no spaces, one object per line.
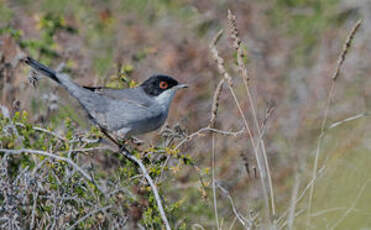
{"x":110,"y":137}
{"x":122,"y":146}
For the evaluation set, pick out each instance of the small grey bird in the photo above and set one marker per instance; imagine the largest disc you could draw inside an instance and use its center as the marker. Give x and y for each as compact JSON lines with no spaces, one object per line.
{"x":123,"y":112}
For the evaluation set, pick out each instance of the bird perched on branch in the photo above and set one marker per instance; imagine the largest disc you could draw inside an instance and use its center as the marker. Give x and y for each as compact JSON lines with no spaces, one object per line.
{"x":123,"y":112}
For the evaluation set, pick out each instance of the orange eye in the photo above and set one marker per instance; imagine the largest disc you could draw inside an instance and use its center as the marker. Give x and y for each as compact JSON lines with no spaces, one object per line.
{"x":163,"y":85}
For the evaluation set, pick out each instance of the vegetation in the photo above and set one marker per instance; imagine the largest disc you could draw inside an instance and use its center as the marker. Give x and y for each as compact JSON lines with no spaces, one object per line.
{"x":274,"y":133}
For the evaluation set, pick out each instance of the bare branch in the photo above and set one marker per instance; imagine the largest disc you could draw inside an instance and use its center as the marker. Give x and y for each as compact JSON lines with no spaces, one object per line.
{"x":131,"y":157}
{"x":128,"y":155}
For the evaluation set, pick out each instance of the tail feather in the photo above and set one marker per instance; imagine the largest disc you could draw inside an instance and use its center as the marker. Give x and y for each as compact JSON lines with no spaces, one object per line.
{"x":42,"y":69}
{"x":88,"y":99}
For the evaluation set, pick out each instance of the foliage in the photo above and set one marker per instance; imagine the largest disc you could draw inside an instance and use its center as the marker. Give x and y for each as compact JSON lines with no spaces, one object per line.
{"x":42,"y":191}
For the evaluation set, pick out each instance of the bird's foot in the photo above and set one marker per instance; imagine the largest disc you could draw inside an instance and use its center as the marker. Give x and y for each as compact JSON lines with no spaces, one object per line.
{"x":123,"y":148}
{"x":136,"y":141}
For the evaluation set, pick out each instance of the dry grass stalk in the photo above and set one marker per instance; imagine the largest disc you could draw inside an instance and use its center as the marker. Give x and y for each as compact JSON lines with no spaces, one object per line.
{"x":345,"y":50}
{"x":213,"y":180}
{"x":220,"y":64}
{"x":215,"y":105}
{"x":294,"y":195}
{"x":214,"y":110}
{"x":352,"y":118}
{"x":300,"y":197}
{"x":334,"y":77}
{"x":237,"y":44}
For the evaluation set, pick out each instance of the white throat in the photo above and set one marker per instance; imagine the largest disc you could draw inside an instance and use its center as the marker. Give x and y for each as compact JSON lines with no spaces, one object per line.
{"x":165,"y":98}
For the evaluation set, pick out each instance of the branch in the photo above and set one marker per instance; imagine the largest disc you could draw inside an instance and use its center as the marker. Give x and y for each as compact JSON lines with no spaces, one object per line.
{"x":131,"y":157}
{"x":234,"y":209}
{"x":39,"y":129}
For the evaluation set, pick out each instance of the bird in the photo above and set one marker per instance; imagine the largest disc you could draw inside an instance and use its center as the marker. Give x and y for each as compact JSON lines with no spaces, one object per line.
{"x":121,"y":112}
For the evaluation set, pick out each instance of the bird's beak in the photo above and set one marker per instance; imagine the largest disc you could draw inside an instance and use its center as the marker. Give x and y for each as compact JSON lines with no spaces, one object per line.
{"x":181,"y":86}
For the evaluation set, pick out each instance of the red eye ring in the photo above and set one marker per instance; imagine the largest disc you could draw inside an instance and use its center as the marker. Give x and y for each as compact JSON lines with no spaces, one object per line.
{"x":163,"y":85}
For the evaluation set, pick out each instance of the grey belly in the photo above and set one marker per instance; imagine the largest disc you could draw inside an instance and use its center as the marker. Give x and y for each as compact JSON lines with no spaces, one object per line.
{"x":146,"y":125}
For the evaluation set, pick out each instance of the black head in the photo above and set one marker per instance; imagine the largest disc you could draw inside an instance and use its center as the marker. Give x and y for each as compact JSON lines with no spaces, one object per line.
{"x":157,"y":84}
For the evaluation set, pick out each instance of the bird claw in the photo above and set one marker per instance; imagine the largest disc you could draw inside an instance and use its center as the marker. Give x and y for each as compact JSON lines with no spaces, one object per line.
{"x":122,"y":148}
{"x":136,"y":140}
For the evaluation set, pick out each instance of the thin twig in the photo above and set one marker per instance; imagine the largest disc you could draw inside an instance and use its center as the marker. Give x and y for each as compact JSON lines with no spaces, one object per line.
{"x":88,"y":149}
{"x":89,"y":215}
{"x":209,"y":129}
{"x":335,"y":75}
{"x":235,"y":211}
{"x":322,"y":212}
{"x":39,"y":129}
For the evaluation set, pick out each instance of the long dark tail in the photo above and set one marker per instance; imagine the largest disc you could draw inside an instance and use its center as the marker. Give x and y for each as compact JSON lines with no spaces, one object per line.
{"x":42,"y":68}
